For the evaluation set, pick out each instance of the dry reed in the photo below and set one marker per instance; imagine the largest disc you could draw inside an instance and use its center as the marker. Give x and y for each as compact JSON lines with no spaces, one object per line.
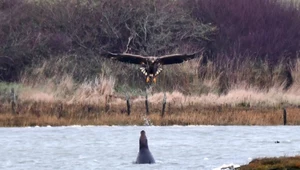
{"x":58,"y":113}
{"x":60,"y":100}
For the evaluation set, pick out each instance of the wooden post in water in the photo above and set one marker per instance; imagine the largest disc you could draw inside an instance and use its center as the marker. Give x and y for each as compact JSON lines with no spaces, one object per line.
{"x":164,"y":105}
{"x":128,"y":105}
{"x":284,"y":116}
{"x":146,"y":103}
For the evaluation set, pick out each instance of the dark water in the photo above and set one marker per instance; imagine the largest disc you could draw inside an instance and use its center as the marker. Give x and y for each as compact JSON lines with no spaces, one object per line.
{"x":116,"y":147}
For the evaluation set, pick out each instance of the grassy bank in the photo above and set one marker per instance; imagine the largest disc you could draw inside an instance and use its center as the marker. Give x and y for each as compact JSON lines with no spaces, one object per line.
{"x":97,"y":103}
{"x":280,"y":163}
{"x":58,"y":114}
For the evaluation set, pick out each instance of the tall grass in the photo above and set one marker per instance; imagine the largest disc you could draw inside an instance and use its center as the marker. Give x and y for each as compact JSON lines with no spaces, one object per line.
{"x":248,"y":85}
{"x":53,"y":50}
{"x":52,"y":83}
{"x":61,"y":100}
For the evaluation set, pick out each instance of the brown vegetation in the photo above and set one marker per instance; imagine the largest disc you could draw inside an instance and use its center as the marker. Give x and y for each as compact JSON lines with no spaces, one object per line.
{"x":57,"y":114}
{"x":61,"y":101}
{"x":281,"y":163}
{"x":245,"y":41}
{"x":250,"y":69}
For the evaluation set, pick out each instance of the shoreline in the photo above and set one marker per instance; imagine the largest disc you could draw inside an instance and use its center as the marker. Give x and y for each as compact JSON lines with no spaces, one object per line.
{"x":59,"y":114}
{"x":284,"y":162}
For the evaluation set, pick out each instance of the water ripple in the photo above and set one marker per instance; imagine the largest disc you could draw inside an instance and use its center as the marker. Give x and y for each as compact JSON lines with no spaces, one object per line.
{"x":116,"y":147}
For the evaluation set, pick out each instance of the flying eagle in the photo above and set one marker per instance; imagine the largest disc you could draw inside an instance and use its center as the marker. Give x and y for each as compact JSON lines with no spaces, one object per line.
{"x":151,"y":66}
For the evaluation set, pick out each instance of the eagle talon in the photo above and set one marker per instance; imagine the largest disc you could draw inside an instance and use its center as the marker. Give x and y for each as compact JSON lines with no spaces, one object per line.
{"x":154,"y":80}
{"x":147,"y":79}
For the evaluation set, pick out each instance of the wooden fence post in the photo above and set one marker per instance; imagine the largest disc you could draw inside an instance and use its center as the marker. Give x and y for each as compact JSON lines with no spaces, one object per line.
{"x":13,"y":99}
{"x":107,"y":103}
{"x":284,"y":116}
{"x":128,"y":105}
{"x":146,"y":103}
{"x":60,"y":110}
{"x":164,"y":105}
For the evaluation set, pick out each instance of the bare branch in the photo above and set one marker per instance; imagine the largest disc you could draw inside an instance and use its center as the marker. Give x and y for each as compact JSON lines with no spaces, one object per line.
{"x":127,"y":46}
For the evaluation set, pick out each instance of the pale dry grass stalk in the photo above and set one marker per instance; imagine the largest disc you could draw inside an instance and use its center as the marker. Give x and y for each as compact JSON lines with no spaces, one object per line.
{"x":62,"y":87}
{"x":295,"y":71}
{"x":90,"y":97}
{"x":50,"y":90}
{"x":274,"y":97}
{"x":95,"y":91}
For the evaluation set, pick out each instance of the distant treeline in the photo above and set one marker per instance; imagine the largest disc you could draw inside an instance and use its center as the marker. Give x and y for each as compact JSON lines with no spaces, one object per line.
{"x":233,"y":31}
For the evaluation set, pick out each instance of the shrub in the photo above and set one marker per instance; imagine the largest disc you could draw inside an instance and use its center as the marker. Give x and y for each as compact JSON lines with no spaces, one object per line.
{"x":31,"y":31}
{"x":260,"y":29}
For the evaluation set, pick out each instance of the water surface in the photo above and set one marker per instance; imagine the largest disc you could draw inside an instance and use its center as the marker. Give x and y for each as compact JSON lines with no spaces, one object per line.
{"x":116,"y":147}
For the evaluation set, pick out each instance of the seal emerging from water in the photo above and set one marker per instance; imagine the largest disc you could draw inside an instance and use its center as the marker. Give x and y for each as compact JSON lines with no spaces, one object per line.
{"x":144,"y":155}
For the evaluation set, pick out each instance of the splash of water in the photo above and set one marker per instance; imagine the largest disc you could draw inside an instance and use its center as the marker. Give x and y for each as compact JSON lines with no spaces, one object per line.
{"x":147,"y":121}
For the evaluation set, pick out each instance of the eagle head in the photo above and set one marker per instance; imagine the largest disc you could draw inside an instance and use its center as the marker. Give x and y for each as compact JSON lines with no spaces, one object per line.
{"x":152,"y":59}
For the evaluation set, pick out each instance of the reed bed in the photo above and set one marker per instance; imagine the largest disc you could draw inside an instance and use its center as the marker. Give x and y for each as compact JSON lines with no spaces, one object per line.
{"x":60,"y":100}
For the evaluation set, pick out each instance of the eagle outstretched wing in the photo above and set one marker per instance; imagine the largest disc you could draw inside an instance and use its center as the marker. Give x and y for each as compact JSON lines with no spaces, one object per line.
{"x":177,"y":58}
{"x":127,"y":58}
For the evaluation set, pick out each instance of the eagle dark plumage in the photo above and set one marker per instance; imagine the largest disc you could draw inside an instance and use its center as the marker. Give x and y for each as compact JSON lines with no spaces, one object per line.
{"x":151,"y":66}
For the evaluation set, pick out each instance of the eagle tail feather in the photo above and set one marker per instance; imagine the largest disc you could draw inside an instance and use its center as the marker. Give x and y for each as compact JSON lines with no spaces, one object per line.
{"x":158,"y":71}
{"x":143,"y":70}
